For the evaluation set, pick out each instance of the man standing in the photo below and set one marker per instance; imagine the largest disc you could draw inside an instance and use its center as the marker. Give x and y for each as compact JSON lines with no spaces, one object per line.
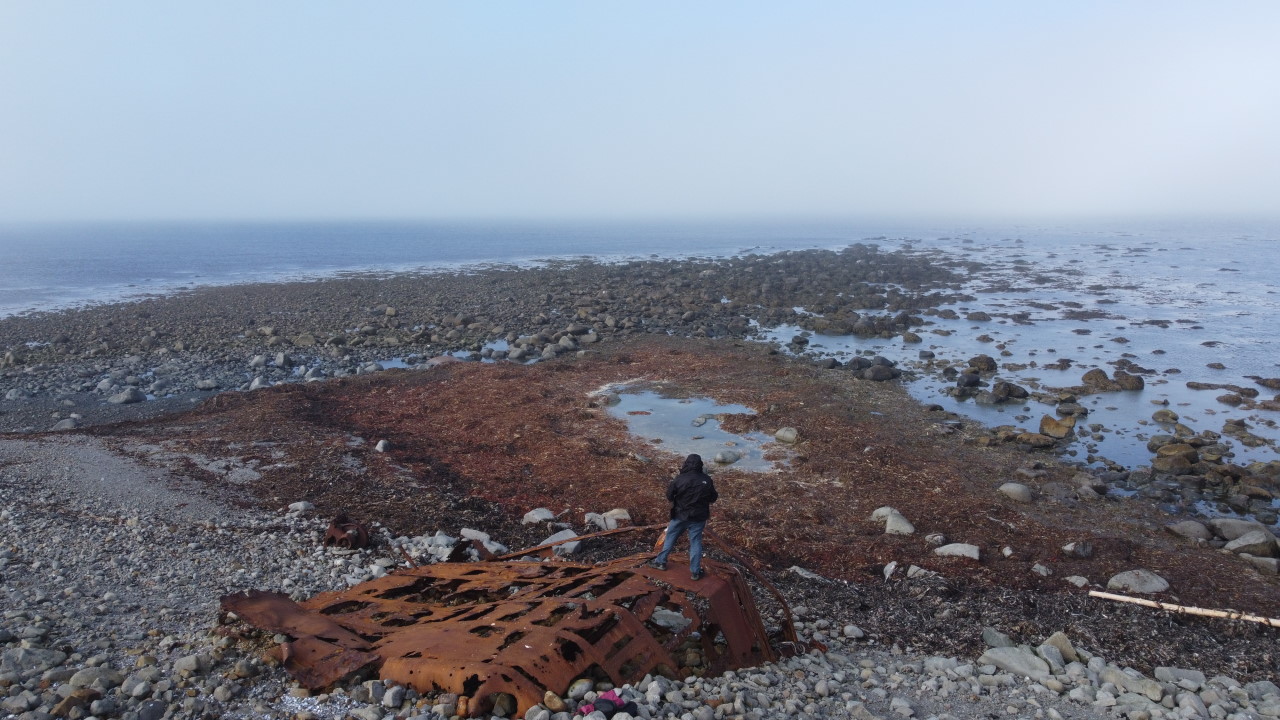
{"x":691,"y":494}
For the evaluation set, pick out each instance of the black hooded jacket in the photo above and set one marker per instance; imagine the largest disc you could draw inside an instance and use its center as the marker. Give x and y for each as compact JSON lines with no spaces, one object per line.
{"x":691,"y":492}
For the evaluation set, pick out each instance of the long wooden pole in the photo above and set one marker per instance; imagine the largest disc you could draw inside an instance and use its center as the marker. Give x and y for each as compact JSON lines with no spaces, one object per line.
{"x":1273,"y":622}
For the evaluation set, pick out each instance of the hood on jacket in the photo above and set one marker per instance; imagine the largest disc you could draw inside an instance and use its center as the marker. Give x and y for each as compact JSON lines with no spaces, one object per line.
{"x":693,"y":463}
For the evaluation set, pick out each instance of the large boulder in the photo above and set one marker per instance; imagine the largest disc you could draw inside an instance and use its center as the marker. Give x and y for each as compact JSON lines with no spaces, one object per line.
{"x":1016,"y":492}
{"x":1190,"y":529}
{"x":1231,"y":528}
{"x":1019,"y":661}
{"x":127,"y":397}
{"x":1138,"y":581}
{"x":1055,"y":427}
{"x":1096,"y":379}
{"x":964,"y":550}
{"x":1258,"y":543}
{"x":1127,"y":381}
{"x":1035,"y":440}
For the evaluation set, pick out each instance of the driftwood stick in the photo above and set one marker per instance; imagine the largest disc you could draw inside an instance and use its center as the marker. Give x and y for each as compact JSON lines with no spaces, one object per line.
{"x":1273,"y":622}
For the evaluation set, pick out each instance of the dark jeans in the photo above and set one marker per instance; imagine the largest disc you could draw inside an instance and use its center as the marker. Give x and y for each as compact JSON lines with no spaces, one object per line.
{"x":675,"y":529}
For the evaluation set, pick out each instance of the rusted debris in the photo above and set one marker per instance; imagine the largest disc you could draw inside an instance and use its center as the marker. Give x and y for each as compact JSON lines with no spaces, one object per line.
{"x":519,"y":627}
{"x":346,"y":533}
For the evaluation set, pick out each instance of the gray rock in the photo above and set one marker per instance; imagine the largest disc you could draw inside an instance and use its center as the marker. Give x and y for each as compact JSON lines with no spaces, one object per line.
{"x":1018,"y":661}
{"x":1063,"y":643}
{"x":20,"y":703}
{"x":1261,"y":689}
{"x":1265,"y":565}
{"x":786,"y":435}
{"x":1190,"y":529}
{"x":1016,"y":492}
{"x":896,"y":524}
{"x":1258,"y":543}
{"x":206,"y":384}
{"x":996,"y":639}
{"x":1231,"y":528}
{"x":1081,"y":549}
{"x":29,"y":661}
{"x":958,"y":550}
{"x":393,"y":697}
{"x":727,"y":457}
{"x":1138,"y":581}
{"x":1194,"y":679}
{"x":191,"y":664}
{"x":127,"y":397}
{"x":102,"y":678}
{"x":579,"y":688}
{"x":368,"y":712}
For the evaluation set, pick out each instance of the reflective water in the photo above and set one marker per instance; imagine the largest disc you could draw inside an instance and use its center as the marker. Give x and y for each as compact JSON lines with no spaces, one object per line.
{"x":691,"y":425}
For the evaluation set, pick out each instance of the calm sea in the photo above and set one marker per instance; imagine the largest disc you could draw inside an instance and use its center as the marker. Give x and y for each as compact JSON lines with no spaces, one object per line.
{"x":1173,"y":297}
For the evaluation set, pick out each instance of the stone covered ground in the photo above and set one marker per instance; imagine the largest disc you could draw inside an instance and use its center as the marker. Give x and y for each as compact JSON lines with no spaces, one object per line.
{"x":480,"y":444}
{"x":120,"y":535}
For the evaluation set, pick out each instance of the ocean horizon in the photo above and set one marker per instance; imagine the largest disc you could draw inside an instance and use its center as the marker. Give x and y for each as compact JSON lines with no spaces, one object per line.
{"x":53,"y":266}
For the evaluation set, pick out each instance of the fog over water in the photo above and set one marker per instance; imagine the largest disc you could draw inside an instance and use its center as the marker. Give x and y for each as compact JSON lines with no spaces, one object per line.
{"x":298,"y":110}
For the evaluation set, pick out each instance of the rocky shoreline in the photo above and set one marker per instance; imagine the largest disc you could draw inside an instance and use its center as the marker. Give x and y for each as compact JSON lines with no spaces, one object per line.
{"x":114,"y":563}
{"x":112,"y":362}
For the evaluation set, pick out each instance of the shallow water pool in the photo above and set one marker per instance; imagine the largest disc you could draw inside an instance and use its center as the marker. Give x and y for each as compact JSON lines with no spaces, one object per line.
{"x":691,"y":425}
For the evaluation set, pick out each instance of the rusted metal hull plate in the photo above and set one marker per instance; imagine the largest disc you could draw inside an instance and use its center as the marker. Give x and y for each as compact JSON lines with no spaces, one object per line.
{"x":522,"y":628}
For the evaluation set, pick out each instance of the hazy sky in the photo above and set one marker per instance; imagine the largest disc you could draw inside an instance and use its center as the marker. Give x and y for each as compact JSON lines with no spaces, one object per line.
{"x":309,"y":109}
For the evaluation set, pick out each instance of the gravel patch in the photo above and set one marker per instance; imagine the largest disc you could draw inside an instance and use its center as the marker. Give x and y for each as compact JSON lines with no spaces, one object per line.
{"x":110,"y":572}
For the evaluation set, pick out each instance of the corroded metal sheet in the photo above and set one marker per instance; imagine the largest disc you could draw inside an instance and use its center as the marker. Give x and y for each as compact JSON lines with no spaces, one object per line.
{"x":519,"y":627}
{"x":346,"y":533}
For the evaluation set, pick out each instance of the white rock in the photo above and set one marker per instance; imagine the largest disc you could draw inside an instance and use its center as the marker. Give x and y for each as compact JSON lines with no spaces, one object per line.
{"x":537,"y":515}
{"x":670,"y":619}
{"x":958,"y":550}
{"x":617,"y":517}
{"x":567,"y":548}
{"x":301,"y":506}
{"x":884,"y":512}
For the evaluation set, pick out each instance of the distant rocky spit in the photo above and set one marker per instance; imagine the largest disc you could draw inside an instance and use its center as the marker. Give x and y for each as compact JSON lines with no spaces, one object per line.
{"x":102,"y":363}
